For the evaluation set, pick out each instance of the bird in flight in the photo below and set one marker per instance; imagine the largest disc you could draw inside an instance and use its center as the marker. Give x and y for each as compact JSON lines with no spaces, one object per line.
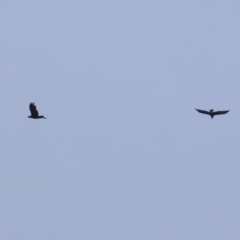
{"x":34,"y":112}
{"x":211,"y":112}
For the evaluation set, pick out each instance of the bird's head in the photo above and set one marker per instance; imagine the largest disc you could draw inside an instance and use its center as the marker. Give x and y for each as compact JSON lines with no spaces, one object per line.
{"x":211,"y":110}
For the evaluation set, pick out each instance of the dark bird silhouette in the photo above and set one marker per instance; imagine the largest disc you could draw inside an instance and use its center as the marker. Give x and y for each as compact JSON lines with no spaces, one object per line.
{"x":34,"y":112}
{"x":212,"y":113}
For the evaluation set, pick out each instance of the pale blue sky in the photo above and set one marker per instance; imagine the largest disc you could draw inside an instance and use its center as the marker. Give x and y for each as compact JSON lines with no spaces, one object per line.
{"x":122,"y":155}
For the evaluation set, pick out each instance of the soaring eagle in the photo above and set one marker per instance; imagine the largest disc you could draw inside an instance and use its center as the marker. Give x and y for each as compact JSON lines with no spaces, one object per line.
{"x":212,"y":113}
{"x":34,"y":112}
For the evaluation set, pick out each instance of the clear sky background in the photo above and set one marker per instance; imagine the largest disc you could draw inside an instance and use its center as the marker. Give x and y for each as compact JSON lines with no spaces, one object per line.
{"x":122,"y":153}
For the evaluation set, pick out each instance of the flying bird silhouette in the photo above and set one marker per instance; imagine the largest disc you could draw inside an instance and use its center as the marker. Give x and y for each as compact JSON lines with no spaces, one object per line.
{"x":212,"y":113}
{"x":34,"y":112}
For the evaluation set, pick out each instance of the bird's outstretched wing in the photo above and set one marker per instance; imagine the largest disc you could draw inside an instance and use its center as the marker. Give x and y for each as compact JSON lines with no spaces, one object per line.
{"x":203,"y":111}
{"x":220,"y":112}
{"x":33,"y":109}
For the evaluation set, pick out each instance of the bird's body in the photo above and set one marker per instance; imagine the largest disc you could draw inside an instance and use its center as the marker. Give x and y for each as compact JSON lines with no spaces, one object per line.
{"x":211,"y":112}
{"x":34,"y":112}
